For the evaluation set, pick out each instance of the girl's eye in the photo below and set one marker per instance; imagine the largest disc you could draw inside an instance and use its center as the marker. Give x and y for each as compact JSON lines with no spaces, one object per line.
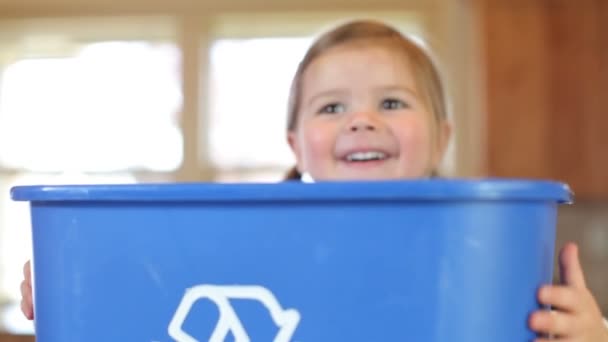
{"x":392,"y":104}
{"x":332,"y":108}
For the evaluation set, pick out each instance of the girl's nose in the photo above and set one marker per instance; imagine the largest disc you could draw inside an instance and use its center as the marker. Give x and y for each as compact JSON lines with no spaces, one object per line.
{"x":363,"y":121}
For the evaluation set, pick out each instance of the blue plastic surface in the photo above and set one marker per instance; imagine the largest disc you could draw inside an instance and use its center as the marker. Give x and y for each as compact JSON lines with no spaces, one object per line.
{"x":430,"y":260}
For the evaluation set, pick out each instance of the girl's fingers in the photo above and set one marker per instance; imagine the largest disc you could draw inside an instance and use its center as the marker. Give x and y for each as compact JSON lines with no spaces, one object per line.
{"x":553,"y":323}
{"x":27,"y":272}
{"x":561,"y":297}
{"x":570,"y":266}
{"x":26,"y":300}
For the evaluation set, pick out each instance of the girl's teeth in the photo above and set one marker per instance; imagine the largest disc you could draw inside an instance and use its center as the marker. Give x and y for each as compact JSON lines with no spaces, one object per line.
{"x":365,"y":156}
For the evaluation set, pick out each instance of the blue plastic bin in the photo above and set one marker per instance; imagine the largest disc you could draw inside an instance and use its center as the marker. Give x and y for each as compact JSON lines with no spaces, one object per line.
{"x":436,"y":260}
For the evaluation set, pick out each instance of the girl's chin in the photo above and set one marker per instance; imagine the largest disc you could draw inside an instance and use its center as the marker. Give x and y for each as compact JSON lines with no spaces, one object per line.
{"x":366,"y":173}
{"x":371,"y":170}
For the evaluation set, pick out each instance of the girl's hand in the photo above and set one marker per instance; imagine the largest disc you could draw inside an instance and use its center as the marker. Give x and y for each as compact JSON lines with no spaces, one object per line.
{"x":27,"y":305}
{"x":576,"y":316}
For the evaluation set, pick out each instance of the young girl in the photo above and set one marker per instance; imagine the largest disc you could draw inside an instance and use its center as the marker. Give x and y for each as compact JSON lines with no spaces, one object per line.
{"x":367,"y":103}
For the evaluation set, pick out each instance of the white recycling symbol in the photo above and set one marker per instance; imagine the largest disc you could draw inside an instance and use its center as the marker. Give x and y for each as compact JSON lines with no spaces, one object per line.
{"x":286,"y":320}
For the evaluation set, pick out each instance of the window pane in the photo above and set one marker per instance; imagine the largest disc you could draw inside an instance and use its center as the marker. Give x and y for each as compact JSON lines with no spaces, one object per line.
{"x":111,"y":106}
{"x":248,"y":101}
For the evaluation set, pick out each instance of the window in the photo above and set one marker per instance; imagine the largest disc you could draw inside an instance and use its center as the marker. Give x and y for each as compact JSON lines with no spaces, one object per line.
{"x":81,"y":101}
{"x":248,"y":104}
{"x":111,"y":106}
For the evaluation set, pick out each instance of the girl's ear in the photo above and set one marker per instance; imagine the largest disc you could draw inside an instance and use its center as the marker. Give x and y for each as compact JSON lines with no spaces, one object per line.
{"x":295,"y":148}
{"x":444,"y":133}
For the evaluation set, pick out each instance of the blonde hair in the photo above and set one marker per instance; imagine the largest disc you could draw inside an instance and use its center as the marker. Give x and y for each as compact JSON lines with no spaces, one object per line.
{"x":424,"y":71}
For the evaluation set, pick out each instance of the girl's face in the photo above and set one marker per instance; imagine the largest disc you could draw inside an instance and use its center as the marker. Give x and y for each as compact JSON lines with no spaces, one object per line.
{"x":362,"y":117}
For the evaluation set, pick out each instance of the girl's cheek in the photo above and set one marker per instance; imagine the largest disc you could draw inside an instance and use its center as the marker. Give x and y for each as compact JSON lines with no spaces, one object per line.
{"x":317,"y":145}
{"x":414,"y":134}
{"x":319,"y":135}
{"x":417,"y":146}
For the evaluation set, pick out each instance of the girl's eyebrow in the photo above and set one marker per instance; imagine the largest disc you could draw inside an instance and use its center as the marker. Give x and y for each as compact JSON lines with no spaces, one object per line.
{"x":326,"y":93}
{"x":339,"y":92}
{"x":399,"y":88}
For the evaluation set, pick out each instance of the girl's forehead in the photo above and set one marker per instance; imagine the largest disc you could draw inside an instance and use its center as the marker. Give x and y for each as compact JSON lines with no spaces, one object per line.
{"x":360,"y":64}
{"x":377,"y":50}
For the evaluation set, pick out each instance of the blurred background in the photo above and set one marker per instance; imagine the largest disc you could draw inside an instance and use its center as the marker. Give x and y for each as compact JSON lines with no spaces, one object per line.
{"x":108,"y":91}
